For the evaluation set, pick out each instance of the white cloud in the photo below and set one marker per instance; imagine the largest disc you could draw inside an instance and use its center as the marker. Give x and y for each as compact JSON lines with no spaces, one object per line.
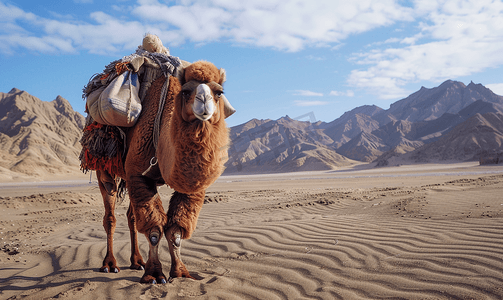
{"x":348,"y":93}
{"x":309,"y":103}
{"x":289,"y":25}
{"x":306,"y":93}
{"x":453,"y":38}
{"x":282,"y":24}
{"x":464,"y":37}
{"x":316,"y":58}
{"x":497,"y":88}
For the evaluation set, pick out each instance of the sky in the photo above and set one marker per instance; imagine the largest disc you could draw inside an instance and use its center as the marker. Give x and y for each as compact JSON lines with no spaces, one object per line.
{"x":308,"y":59}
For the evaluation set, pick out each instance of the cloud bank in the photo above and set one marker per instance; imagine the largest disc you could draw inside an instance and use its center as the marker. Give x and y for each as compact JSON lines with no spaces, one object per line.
{"x":456,"y":38}
{"x":451,"y":38}
{"x":288,"y":25}
{"x":309,"y":103}
{"x":306,"y":93}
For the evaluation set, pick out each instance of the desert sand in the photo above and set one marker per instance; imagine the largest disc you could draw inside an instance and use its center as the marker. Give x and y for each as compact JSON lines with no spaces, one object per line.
{"x":411,"y":232}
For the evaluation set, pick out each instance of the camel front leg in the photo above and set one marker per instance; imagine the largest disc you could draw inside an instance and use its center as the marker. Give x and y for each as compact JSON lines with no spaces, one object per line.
{"x":178,"y":269}
{"x":153,"y":269}
{"x":108,"y":189}
{"x":182,"y":220}
{"x":150,"y":220}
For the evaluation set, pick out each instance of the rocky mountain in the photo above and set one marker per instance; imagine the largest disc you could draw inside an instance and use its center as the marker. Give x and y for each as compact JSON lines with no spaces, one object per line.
{"x":362,"y":134}
{"x":284,"y":145}
{"x":352,"y":123}
{"x":466,"y":140}
{"x":481,"y":133}
{"x":411,"y":135}
{"x":38,"y":137}
{"x":430,"y":104}
{"x":416,"y":120}
{"x":449,"y":122}
{"x":368,"y":146}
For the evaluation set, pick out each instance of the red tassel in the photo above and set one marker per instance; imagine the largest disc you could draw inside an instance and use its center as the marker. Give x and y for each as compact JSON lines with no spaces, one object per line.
{"x":113,"y":165}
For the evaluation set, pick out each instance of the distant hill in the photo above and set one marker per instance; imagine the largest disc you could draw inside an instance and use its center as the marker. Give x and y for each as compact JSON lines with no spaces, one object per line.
{"x":422,"y":118}
{"x":368,"y":146}
{"x":467,"y":141}
{"x":451,"y":122}
{"x":352,"y":123}
{"x":430,"y":104}
{"x":36,"y":137}
{"x":284,"y":145}
{"x":410,"y":135}
{"x":365,"y":133}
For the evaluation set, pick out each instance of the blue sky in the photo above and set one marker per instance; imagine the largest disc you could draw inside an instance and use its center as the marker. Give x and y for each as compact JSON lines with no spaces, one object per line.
{"x":283,"y":57}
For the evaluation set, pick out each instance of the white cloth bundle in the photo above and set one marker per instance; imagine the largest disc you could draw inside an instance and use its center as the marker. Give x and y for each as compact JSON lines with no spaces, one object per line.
{"x":118,"y":103}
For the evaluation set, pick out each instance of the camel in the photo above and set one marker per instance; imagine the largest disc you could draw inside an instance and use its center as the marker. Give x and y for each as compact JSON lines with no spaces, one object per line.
{"x":190,"y":153}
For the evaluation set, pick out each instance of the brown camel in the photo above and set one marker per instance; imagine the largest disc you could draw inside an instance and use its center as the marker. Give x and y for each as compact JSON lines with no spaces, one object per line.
{"x":192,"y":148}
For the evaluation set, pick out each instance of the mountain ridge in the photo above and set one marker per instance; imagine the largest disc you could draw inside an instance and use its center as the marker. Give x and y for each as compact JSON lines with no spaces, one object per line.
{"x":38,"y":136}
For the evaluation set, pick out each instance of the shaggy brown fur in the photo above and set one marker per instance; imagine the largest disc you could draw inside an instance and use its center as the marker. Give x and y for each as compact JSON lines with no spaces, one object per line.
{"x":190,"y":158}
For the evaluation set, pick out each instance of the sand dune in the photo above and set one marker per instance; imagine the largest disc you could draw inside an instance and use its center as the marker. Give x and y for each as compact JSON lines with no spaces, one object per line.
{"x":423,"y":234}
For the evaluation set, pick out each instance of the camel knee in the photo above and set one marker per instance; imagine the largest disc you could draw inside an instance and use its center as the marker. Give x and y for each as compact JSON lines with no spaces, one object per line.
{"x":109,"y":222}
{"x":184,"y":211}
{"x":149,"y":215}
{"x":131,"y":218}
{"x":107,"y":183}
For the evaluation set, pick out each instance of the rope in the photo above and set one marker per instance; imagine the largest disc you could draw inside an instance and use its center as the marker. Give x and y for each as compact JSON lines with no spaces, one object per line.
{"x":157,"y":121}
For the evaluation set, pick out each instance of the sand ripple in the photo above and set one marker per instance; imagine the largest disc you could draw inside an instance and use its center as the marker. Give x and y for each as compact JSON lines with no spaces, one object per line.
{"x":421,"y":242}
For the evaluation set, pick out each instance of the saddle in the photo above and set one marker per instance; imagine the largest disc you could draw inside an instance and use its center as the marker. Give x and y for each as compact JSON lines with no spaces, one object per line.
{"x":114,"y":102}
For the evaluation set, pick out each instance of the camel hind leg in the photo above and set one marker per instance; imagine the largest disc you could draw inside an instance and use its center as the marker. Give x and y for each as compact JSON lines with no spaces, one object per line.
{"x":108,"y":189}
{"x":137,"y":262}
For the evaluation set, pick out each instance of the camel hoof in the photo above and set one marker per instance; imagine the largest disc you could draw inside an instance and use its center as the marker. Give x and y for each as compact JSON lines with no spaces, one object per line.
{"x":116,"y":270}
{"x":154,"y":282}
{"x":137,"y":267}
{"x":171,"y":279}
{"x":163,"y":281}
{"x":105,"y":270}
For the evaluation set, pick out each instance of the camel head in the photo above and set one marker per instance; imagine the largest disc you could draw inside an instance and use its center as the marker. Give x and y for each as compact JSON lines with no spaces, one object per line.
{"x":202,"y":95}
{"x":193,"y":145}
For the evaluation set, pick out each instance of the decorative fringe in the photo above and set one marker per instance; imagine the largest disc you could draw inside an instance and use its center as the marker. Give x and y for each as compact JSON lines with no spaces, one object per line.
{"x":102,"y":148}
{"x":121,"y":67}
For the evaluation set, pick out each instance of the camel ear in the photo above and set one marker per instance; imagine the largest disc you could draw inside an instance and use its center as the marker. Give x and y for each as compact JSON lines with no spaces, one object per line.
{"x":222,"y":77}
{"x":181,"y":71}
{"x":228,"y":109}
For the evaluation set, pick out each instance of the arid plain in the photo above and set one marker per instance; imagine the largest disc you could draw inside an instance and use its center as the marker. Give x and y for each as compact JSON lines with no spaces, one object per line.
{"x":430,"y":231}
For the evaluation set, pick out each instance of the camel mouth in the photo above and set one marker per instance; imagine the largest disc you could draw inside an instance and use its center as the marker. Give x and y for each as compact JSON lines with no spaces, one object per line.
{"x":203,"y":118}
{"x":204,"y":105}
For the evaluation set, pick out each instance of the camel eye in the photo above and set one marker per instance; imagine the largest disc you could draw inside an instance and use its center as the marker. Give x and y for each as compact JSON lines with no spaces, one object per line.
{"x":186,"y":94}
{"x":219,"y":93}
